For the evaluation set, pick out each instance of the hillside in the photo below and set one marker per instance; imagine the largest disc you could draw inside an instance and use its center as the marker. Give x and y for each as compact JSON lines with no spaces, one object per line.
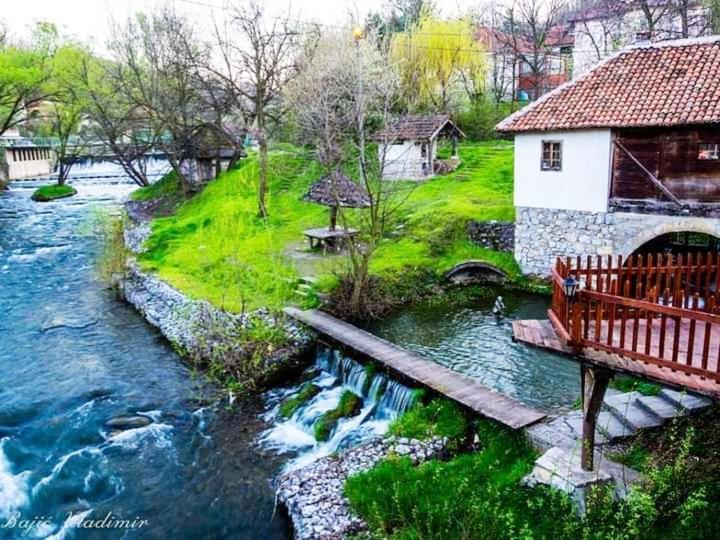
{"x":216,"y":248}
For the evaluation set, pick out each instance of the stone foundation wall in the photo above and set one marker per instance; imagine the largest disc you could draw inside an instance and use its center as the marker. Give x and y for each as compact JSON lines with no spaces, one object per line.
{"x":497,"y":235}
{"x":542,"y":234}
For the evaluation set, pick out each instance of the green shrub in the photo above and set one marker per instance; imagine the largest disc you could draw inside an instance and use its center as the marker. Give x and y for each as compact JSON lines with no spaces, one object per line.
{"x":293,"y":403}
{"x":167,"y":186}
{"x":439,"y":418}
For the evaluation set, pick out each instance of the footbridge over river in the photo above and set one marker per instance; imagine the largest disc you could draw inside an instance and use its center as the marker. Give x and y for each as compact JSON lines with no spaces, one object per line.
{"x":421,"y":371}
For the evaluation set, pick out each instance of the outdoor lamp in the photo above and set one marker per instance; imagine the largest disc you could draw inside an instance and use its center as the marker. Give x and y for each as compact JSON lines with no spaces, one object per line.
{"x":571,"y":286}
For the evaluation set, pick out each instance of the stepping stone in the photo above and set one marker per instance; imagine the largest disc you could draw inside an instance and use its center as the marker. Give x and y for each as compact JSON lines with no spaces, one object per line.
{"x":626,"y":409}
{"x":560,"y":468}
{"x":688,"y":401}
{"x":660,"y":406}
{"x":611,"y":427}
{"x":570,"y":425}
{"x":543,"y":436}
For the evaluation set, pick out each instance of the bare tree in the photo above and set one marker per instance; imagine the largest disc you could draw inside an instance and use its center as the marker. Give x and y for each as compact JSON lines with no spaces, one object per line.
{"x":258,"y":52}
{"x":529,"y":24}
{"x":345,"y":88}
{"x":157,"y":60}
{"x":115,"y":123}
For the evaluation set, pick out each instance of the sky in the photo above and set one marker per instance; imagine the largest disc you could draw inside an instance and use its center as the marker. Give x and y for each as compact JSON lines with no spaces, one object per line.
{"x":89,"y":19}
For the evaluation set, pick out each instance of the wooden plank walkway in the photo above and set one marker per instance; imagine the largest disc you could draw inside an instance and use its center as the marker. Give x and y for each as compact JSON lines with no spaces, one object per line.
{"x":422,"y":371}
{"x":540,"y":333}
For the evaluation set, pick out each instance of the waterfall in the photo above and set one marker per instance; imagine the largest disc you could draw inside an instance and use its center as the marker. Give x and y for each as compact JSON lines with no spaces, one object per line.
{"x":384,"y":399}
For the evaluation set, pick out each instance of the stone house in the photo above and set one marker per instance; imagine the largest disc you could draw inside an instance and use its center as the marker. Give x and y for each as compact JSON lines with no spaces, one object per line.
{"x":624,"y":158}
{"x":408,"y":148}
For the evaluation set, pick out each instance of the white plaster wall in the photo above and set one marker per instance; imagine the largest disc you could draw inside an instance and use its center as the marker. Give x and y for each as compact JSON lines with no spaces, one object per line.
{"x":29,"y":168}
{"x":404,"y":161}
{"x":583,"y":184}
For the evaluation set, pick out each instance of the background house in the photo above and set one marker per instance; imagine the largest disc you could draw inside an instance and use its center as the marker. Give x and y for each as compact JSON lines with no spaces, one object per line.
{"x":408,"y":148}
{"x":605,"y":166}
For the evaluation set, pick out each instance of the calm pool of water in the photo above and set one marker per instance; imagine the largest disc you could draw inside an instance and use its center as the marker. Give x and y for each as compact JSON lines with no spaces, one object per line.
{"x":468,"y":338}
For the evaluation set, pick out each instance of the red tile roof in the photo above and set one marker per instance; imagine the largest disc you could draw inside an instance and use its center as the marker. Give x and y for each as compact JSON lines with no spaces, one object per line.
{"x":667,"y":84}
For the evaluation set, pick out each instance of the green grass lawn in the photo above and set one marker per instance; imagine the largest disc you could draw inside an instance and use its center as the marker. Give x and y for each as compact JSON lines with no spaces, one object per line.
{"x":50,"y":193}
{"x":216,"y":248}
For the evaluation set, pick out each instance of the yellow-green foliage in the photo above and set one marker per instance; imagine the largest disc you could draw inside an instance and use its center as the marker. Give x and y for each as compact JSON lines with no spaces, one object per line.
{"x":435,"y":52}
{"x":215,"y":247}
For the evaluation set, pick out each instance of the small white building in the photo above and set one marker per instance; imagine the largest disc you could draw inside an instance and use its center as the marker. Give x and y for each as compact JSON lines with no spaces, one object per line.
{"x":24,"y":158}
{"x":408,"y":148}
{"x":623,"y":160}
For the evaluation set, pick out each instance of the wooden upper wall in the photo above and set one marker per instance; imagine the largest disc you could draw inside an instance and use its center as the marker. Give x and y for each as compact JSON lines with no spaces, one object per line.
{"x":672,"y":155}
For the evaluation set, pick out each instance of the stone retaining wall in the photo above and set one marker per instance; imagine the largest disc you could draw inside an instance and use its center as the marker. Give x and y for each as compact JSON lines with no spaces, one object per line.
{"x":197,"y":328}
{"x":314,"y":496}
{"x":542,"y":234}
{"x":497,"y":235}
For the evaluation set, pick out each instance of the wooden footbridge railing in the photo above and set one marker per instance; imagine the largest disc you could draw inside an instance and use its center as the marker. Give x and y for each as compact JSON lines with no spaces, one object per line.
{"x":656,"y":317}
{"x":660,"y":310}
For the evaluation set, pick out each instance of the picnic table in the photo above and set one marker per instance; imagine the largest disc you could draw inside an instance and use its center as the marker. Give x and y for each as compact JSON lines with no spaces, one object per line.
{"x":329,"y":239}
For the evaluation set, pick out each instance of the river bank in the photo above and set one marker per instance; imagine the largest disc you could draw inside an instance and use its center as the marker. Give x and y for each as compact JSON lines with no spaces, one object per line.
{"x":274,"y":345}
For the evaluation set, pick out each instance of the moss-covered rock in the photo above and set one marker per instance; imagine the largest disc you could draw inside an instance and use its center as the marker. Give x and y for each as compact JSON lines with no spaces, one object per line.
{"x":349,"y":405}
{"x":293,"y":403}
{"x":50,"y":193}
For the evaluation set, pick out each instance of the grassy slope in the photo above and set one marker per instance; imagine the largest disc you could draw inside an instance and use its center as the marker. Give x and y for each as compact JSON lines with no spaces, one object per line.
{"x":216,"y":248}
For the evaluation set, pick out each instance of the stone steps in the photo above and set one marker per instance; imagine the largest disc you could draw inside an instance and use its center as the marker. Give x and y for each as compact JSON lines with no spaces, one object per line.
{"x":622,"y":415}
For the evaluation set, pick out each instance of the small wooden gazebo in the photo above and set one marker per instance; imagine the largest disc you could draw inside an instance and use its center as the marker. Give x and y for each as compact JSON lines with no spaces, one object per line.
{"x":335,"y":190}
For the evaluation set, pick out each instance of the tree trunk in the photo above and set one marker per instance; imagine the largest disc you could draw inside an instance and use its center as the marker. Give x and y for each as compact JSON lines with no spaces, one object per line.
{"x":262,"y":188}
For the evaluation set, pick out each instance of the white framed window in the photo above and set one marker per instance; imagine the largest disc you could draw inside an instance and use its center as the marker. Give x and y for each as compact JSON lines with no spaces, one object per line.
{"x":551,"y":156}
{"x":708,"y":151}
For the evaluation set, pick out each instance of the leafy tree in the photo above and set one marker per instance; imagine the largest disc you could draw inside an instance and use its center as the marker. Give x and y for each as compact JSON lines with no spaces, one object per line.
{"x":437,"y":56}
{"x":25,"y":72}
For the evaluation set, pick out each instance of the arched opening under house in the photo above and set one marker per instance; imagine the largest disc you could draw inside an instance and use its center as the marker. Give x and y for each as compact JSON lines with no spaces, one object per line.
{"x":684,"y":242}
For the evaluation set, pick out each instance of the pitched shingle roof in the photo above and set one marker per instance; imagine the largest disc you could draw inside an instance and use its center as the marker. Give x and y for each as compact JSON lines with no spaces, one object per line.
{"x":417,"y":128}
{"x":336,"y":189}
{"x":668,"y":84}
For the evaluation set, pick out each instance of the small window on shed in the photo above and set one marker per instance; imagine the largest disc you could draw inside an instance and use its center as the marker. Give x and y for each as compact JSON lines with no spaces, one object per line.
{"x":551,"y":156}
{"x":708,"y":151}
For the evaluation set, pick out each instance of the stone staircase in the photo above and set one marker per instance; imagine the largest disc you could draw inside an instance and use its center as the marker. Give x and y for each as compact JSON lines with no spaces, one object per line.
{"x":622,"y":415}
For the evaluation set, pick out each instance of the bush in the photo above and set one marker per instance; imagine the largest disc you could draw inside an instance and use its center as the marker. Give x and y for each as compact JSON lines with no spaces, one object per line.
{"x":439,"y":418}
{"x":167,"y":186}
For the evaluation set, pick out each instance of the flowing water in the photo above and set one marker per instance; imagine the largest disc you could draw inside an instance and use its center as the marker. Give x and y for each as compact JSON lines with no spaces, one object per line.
{"x":383,"y":400}
{"x":71,"y":357}
{"x":467,"y":337}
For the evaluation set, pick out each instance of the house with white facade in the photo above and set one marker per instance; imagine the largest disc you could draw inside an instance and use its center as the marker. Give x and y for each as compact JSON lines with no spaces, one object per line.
{"x":408,"y":148}
{"x":624,"y":158}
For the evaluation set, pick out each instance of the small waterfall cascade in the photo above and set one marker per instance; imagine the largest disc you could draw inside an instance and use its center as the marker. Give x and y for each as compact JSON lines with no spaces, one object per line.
{"x":384,"y":399}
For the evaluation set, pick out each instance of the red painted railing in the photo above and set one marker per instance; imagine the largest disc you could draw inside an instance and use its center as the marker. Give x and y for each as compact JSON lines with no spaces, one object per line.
{"x":660,"y":310}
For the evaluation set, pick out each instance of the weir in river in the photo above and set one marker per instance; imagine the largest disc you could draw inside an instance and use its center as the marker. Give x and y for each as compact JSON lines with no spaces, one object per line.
{"x":384,"y":399}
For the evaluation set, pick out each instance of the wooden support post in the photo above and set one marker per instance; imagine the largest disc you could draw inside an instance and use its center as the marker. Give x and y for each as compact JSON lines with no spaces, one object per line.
{"x":594,"y":382}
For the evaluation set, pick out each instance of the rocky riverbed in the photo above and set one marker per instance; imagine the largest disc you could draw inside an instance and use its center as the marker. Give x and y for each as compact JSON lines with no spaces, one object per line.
{"x":314,"y":496}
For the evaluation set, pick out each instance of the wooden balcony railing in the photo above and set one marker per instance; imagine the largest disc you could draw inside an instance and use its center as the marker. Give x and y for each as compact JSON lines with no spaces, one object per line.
{"x":660,"y":310}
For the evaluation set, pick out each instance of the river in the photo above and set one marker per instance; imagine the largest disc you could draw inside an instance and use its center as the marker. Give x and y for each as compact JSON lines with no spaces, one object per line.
{"x":72,"y":356}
